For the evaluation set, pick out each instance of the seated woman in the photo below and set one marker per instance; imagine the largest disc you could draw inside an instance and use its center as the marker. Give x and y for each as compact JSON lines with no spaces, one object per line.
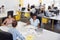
{"x":34,"y":21}
{"x":15,"y":32}
{"x":8,"y":20}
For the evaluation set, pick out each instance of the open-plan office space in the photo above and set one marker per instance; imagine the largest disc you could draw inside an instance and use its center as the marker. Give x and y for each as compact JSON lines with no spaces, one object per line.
{"x":29,"y":19}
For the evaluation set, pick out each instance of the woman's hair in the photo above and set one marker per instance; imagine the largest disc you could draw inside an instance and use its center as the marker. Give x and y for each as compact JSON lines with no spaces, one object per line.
{"x":14,"y":23}
{"x":34,"y":15}
{"x":2,"y":5}
{"x":10,"y":15}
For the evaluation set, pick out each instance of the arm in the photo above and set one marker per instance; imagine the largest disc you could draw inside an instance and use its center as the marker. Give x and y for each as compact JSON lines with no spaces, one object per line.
{"x":28,"y":23}
{"x":4,"y":22}
{"x":38,"y":23}
{"x":20,"y":35}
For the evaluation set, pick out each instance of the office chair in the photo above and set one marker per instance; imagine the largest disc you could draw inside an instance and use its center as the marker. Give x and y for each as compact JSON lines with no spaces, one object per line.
{"x":5,"y":36}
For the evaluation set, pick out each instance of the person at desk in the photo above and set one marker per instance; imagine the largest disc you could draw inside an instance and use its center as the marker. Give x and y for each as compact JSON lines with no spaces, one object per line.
{"x":34,"y":21}
{"x":8,"y":20}
{"x":49,"y":8}
{"x":3,"y":9}
{"x":28,"y":7}
{"x":32,"y":11}
{"x":0,"y":10}
{"x":19,"y":7}
{"x":52,"y":6}
{"x":15,"y":33}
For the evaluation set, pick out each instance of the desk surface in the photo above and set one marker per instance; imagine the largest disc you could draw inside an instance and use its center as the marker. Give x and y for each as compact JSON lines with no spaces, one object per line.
{"x":29,"y":30}
{"x":54,"y":17}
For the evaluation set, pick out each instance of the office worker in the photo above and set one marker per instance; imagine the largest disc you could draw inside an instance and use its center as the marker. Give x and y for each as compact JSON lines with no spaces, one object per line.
{"x":19,"y":7}
{"x":32,"y":11}
{"x":8,"y":20}
{"x":28,"y":7}
{"x":0,"y":9}
{"x":52,"y":6}
{"x":15,"y":33}
{"x":49,"y":8}
{"x":3,"y":9}
{"x":34,"y":21}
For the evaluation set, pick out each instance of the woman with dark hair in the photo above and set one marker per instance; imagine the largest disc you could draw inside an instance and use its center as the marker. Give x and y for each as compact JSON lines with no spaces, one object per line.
{"x":34,"y":21}
{"x":49,"y":8}
{"x":8,"y":20}
{"x":15,"y":32}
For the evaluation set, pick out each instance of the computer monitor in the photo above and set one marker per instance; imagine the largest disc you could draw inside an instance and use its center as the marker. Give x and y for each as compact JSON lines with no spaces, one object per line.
{"x":23,"y":9}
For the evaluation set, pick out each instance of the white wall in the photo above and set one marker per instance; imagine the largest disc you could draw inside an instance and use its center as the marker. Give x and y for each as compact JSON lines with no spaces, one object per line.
{"x":50,"y":2}
{"x":31,"y":2}
{"x":9,"y":4}
{"x":13,"y":4}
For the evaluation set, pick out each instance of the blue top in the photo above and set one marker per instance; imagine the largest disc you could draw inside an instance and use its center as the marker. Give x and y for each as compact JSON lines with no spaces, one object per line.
{"x":16,"y":34}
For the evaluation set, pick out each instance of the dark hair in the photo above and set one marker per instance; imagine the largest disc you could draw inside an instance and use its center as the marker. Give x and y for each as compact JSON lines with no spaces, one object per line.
{"x":34,"y":15}
{"x":14,"y":23}
{"x":2,"y":5}
{"x":8,"y":16}
{"x":33,"y":6}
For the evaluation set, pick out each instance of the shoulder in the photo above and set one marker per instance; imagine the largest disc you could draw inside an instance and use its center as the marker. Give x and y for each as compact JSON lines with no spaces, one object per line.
{"x":31,"y":19}
{"x":6,"y":19}
{"x":37,"y":20}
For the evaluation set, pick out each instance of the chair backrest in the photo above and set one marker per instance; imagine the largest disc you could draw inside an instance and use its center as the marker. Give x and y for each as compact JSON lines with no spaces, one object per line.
{"x":56,"y":12}
{"x":5,"y":36}
{"x":10,"y":13}
{"x":23,"y":9}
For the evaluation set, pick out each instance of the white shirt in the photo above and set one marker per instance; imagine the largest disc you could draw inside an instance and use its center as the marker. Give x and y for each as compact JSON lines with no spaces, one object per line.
{"x":34,"y":23}
{"x":33,"y":10}
{"x":19,"y":8}
{"x":2,"y":10}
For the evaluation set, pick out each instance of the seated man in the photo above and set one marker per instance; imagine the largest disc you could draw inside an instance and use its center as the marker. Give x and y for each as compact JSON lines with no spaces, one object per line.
{"x":15,"y":32}
{"x":34,"y":21}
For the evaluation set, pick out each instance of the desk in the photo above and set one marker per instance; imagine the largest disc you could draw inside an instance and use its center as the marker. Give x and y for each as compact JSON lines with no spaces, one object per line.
{"x":53,"y":18}
{"x":29,"y":30}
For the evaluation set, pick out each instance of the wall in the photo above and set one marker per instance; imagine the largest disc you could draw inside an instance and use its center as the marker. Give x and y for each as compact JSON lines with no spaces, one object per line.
{"x":9,"y":4}
{"x":50,"y":2}
{"x":31,"y":2}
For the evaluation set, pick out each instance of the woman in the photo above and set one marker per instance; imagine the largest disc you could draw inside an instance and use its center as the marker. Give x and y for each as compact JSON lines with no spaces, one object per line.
{"x":34,"y":21}
{"x":8,"y":20}
{"x":15,"y":33}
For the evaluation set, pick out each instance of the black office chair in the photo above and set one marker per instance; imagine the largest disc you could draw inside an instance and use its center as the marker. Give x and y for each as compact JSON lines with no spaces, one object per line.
{"x":10,"y":13}
{"x":5,"y":36}
{"x":23,"y":9}
{"x":56,"y":12}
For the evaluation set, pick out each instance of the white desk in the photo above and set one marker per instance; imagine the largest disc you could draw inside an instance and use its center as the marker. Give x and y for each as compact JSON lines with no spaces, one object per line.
{"x":54,"y":18}
{"x":25,"y":30}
